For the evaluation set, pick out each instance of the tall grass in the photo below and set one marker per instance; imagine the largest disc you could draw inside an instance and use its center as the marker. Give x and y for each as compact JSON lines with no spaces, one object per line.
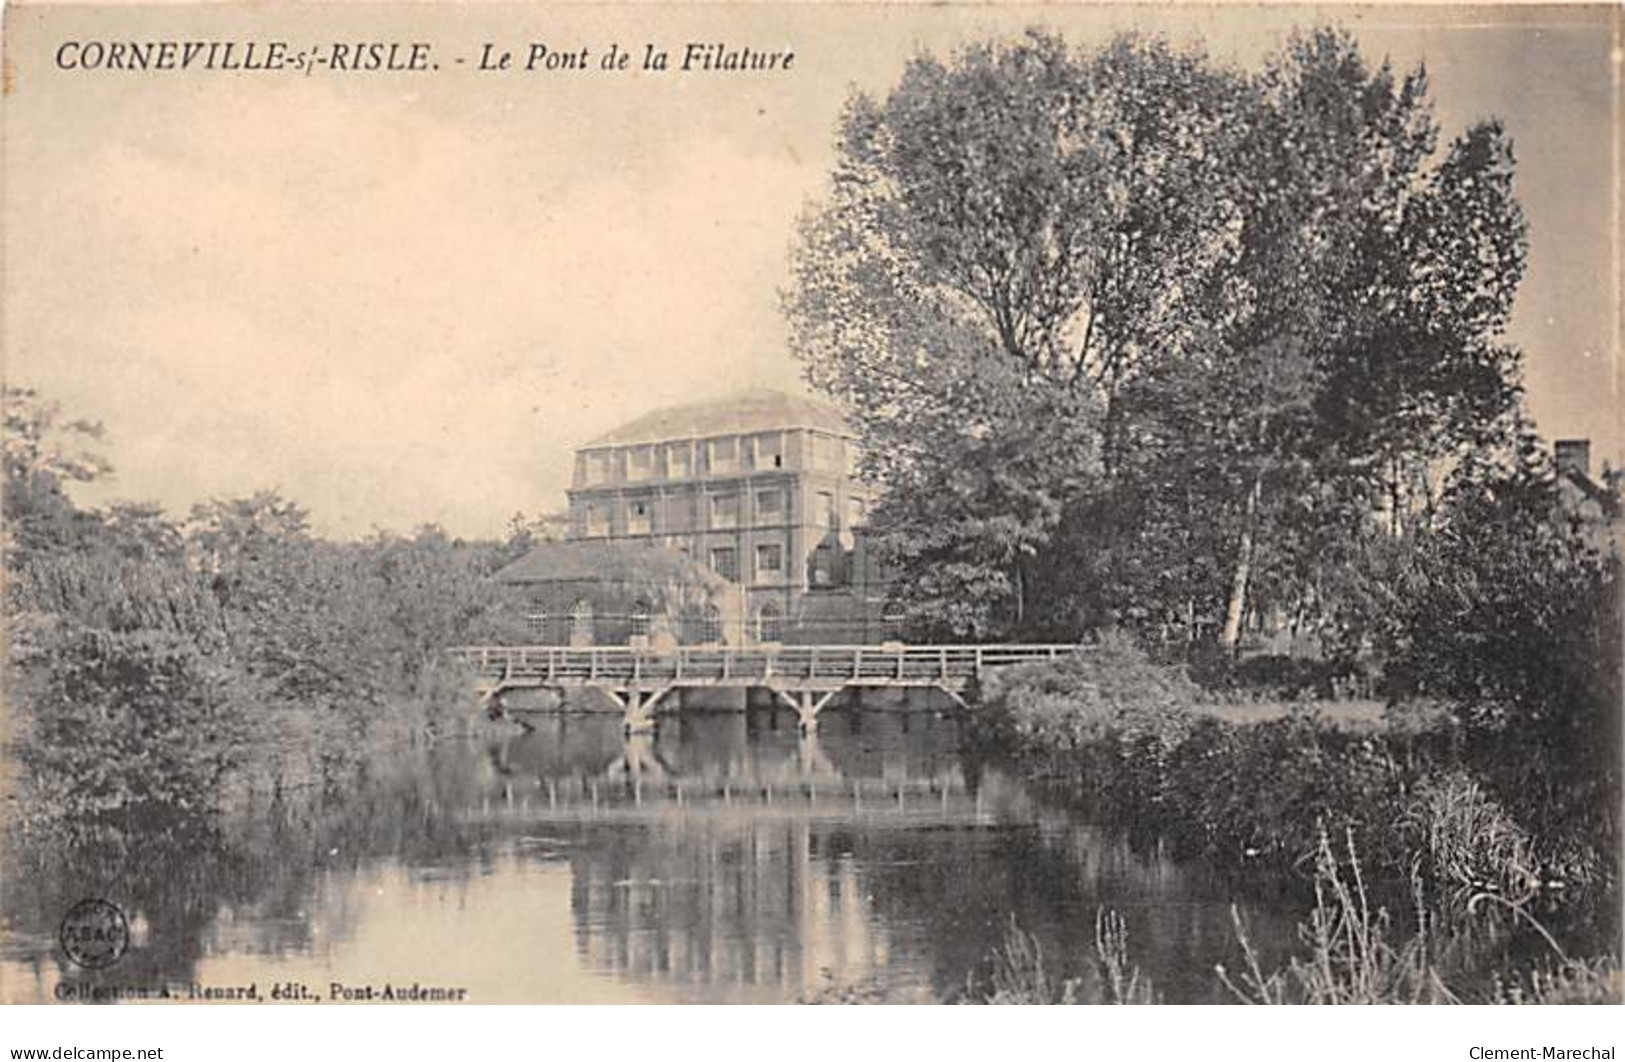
{"x":1354,"y":954}
{"x":1566,"y":981}
{"x":1021,"y":975}
{"x":1123,"y":983}
{"x":1468,"y":843}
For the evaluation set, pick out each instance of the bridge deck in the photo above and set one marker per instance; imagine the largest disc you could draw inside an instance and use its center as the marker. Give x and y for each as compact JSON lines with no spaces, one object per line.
{"x":788,"y":666}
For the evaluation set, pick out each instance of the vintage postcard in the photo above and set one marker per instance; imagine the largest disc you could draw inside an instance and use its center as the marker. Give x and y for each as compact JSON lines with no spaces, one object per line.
{"x":811,"y":503}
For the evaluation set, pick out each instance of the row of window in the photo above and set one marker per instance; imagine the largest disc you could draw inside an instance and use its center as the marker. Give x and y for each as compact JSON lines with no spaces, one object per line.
{"x":722,"y":513}
{"x":681,"y":460}
{"x":824,"y":568}
{"x":769,"y":566}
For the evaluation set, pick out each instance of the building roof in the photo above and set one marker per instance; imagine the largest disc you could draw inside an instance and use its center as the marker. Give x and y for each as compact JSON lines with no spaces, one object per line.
{"x":741,"y":413}
{"x":620,"y":562}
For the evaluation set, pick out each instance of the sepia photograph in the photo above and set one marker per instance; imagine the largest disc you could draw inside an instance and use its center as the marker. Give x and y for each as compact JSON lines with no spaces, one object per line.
{"x":811,"y":504}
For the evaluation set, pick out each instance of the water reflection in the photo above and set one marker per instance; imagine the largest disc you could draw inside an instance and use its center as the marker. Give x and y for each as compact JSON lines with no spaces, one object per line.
{"x":725,"y":858}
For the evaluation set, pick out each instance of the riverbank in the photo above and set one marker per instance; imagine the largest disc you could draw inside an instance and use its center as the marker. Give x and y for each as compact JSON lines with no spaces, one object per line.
{"x":1394,"y":810}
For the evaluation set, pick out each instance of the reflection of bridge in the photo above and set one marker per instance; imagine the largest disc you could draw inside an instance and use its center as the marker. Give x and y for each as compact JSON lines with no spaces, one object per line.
{"x":805,"y":677}
{"x":639,"y":782}
{"x":729,"y":855}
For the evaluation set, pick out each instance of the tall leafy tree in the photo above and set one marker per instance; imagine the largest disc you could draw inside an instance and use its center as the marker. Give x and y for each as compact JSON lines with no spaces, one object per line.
{"x":1134,"y":338}
{"x":1009,"y":238}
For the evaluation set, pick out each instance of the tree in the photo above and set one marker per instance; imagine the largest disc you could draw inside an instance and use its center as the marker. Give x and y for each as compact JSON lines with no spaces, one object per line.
{"x":1131,"y":337}
{"x":1009,"y":239}
{"x":1391,"y":275}
{"x":43,"y":452}
{"x":526,"y":533}
{"x":1509,"y":612}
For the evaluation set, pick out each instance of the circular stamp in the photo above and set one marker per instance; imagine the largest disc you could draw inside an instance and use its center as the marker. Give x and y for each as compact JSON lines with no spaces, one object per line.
{"x":94,"y":934}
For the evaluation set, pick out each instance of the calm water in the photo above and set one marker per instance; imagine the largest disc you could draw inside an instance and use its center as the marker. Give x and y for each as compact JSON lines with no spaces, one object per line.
{"x":725,"y":860}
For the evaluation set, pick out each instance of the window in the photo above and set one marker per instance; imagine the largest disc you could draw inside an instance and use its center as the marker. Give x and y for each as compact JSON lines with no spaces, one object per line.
{"x":725,"y":562}
{"x":723,"y":454}
{"x":536,"y":620}
{"x":770,"y":507}
{"x":597,"y":520}
{"x":692,"y":624}
{"x":595,"y":468}
{"x":724,"y":510}
{"x":769,"y":562}
{"x":857,"y":511}
{"x":581,"y":622}
{"x":770,"y":622}
{"x":824,"y":509}
{"x":638,"y":622}
{"x":702,"y":625}
{"x":638,"y":520}
{"x":680,"y":460}
{"x":769,"y":451}
{"x":640,"y":462}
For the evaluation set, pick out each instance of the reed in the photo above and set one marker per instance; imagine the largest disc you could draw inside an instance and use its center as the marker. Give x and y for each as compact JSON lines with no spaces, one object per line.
{"x":1468,"y":843}
{"x":1352,"y":956}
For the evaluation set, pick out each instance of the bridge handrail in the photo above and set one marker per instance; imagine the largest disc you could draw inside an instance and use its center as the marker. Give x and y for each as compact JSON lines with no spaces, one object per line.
{"x":879,"y":647}
{"x":856,"y":661}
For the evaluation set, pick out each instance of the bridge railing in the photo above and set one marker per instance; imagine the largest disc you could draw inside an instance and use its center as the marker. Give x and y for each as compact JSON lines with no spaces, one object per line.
{"x":880,"y":664}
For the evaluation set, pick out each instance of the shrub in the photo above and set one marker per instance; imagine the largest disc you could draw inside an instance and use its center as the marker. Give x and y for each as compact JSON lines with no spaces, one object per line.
{"x":1111,"y":690}
{"x":1274,"y":676}
{"x":1267,"y":789}
{"x":125,"y":721}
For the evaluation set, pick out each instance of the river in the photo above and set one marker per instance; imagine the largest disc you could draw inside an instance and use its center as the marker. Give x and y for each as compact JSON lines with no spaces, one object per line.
{"x":725,"y":859}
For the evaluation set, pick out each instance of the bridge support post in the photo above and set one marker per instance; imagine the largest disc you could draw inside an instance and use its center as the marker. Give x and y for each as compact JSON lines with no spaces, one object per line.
{"x":640,"y":709}
{"x":808,"y":703}
{"x":491,"y":703}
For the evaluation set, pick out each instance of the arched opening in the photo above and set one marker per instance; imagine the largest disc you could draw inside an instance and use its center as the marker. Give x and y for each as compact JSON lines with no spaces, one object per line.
{"x":581,"y":622}
{"x":770,"y":622}
{"x":536,"y":621}
{"x":638,"y":622}
{"x":711,"y":625}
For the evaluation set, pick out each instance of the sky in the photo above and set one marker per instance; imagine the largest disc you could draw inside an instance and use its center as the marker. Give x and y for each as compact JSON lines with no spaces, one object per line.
{"x":405,"y":298}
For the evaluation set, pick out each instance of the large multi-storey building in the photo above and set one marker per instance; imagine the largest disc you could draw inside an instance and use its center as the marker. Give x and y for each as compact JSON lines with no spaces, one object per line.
{"x":759,"y":487}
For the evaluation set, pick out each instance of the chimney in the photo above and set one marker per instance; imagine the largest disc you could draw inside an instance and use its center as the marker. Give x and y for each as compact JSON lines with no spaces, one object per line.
{"x":1573,"y":457}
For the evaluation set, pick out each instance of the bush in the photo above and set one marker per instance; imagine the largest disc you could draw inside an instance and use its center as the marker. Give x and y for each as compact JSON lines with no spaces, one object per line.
{"x":131,"y":721}
{"x":1266,"y":790}
{"x":1111,"y":690}
{"x":1274,"y":676}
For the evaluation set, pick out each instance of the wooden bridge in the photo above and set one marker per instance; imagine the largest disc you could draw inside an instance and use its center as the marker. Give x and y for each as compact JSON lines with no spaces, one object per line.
{"x":805,"y":677}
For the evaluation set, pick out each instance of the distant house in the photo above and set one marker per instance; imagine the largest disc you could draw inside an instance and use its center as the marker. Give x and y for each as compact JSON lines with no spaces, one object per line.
{"x":1596,"y":503}
{"x":752,"y":499}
